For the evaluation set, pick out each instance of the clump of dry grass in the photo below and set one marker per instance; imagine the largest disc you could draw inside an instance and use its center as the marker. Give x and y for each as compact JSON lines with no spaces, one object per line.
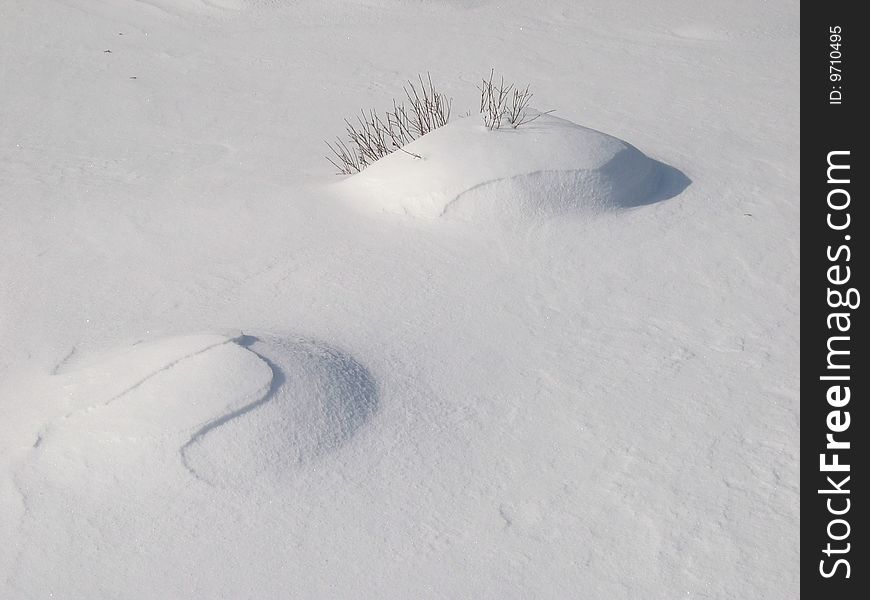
{"x":505,"y":104}
{"x":373,"y":136}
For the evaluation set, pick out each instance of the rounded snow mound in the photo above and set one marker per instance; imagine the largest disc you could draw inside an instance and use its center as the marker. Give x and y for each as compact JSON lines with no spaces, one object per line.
{"x":317,"y":398}
{"x":547,"y":167}
{"x":221,"y":409}
{"x":146,"y":432}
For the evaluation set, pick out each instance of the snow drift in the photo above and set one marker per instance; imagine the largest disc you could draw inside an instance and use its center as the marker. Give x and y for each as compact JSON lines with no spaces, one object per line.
{"x":160,"y":426}
{"x":97,"y":472}
{"x":317,"y":397}
{"x":223,"y":408}
{"x":547,"y":167}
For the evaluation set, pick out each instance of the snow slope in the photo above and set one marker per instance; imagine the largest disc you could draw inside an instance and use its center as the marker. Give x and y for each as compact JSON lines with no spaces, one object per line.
{"x":223,"y":374}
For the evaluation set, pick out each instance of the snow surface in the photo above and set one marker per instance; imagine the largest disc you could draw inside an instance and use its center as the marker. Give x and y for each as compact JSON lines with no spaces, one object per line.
{"x":546,"y":167}
{"x":226,"y":373}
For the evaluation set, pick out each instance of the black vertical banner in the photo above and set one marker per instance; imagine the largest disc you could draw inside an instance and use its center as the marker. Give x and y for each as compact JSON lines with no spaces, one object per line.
{"x":834,"y":222}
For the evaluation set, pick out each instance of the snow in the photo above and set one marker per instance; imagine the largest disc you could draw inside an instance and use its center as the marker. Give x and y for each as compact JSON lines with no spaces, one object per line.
{"x":226,"y":372}
{"x":546,"y":167}
{"x":316,"y":399}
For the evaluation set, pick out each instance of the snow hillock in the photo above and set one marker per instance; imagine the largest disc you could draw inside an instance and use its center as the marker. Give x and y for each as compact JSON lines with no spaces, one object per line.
{"x":547,"y":167}
{"x":223,"y":410}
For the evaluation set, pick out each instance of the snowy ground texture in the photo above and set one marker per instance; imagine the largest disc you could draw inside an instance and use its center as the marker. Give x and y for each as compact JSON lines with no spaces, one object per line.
{"x":543,"y":363}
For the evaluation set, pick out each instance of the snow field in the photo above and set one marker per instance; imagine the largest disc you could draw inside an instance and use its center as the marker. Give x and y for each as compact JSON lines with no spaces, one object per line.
{"x":599,"y":400}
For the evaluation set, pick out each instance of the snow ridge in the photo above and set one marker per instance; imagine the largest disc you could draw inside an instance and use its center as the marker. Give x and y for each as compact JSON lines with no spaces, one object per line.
{"x":275,"y":384}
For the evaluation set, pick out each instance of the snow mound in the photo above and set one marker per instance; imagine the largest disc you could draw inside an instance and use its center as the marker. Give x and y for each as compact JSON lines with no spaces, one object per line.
{"x":121,"y":462}
{"x":214,"y":407}
{"x":547,"y":167}
{"x":317,"y":398}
